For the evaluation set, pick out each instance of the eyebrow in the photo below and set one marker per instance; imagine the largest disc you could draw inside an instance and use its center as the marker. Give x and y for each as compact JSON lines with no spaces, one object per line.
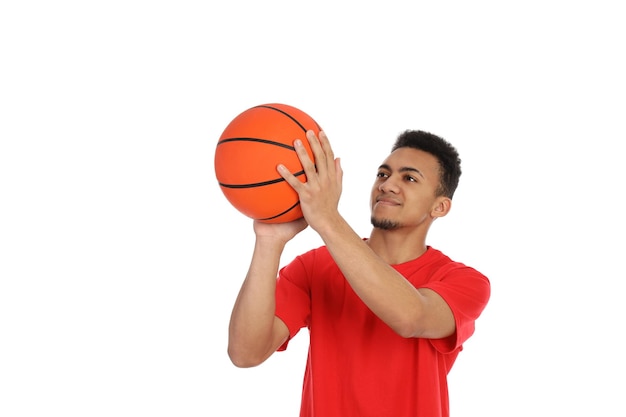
{"x":403,"y":169}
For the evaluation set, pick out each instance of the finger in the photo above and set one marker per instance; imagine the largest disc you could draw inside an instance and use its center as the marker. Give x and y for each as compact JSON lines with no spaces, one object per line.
{"x":338,"y":171}
{"x":321,"y":161}
{"x":305,"y":160}
{"x":324,"y":155}
{"x":288,"y":176}
{"x":330,"y":166}
{"x":325,"y":145}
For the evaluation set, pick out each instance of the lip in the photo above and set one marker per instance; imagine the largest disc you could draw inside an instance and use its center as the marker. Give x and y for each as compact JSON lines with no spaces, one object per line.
{"x":387,"y":201}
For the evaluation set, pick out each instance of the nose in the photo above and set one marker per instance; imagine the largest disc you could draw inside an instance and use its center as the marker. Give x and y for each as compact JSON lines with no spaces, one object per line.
{"x":388,"y":186}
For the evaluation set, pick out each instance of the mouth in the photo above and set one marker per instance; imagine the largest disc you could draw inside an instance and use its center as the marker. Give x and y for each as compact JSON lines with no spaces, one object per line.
{"x":387,"y":201}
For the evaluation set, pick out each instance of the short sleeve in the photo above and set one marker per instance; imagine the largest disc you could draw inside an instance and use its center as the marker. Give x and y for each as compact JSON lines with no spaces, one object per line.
{"x":293,"y":303}
{"x":466,"y":291}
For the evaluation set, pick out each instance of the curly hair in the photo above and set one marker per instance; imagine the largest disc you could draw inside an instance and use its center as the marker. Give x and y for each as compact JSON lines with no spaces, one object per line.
{"x":446,"y":154}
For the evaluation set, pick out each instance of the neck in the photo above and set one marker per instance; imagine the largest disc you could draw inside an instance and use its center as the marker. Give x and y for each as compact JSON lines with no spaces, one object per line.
{"x":397,"y":246}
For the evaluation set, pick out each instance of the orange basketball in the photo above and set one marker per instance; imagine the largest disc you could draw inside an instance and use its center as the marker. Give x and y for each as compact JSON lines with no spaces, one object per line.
{"x":246,"y":156}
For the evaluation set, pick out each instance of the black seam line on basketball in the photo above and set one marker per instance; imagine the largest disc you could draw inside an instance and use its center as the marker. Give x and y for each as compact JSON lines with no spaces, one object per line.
{"x":269,"y":142}
{"x":284,"y":212}
{"x":286,"y":114}
{"x":258,"y":184}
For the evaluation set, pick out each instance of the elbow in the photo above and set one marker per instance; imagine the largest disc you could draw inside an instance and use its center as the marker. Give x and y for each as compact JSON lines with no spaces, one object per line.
{"x":417,"y":329}
{"x":243,"y":360}
{"x":406,"y":330}
{"x":407,"y":325}
{"x":410,"y":326}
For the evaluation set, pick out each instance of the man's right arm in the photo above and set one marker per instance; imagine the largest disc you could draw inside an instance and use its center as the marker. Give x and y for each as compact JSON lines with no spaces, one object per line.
{"x":255,"y":332}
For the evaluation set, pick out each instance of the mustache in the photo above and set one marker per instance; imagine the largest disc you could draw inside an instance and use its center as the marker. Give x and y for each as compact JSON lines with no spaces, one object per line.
{"x":387,"y":197}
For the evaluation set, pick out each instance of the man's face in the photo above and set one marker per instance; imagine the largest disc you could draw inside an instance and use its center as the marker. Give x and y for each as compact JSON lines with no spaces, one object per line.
{"x":404,"y":191}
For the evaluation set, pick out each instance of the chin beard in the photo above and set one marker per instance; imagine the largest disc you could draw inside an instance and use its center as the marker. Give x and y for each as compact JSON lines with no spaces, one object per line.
{"x":384,"y":224}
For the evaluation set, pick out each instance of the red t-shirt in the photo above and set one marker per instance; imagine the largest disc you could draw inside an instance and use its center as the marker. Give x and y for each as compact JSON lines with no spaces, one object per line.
{"x":357,"y":366}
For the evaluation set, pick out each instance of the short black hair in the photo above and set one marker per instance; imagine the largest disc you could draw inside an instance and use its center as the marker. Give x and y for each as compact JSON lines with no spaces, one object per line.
{"x":446,"y":154}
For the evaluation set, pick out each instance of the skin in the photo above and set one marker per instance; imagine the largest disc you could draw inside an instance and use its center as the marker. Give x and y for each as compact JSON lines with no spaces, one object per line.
{"x":403,"y":194}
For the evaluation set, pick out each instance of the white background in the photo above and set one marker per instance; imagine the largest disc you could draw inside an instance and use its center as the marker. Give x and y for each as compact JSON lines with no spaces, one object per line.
{"x":120,"y":258}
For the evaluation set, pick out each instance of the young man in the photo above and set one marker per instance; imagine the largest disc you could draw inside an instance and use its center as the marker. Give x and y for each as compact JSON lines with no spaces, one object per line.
{"x":388,"y":314}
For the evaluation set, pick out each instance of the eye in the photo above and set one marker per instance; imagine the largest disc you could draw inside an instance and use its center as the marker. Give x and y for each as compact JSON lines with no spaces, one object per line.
{"x":410,"y":178}
{"x":382,"y":175}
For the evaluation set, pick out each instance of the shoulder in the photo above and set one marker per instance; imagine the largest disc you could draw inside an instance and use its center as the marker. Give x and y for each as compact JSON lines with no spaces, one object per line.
{"x":308,"y":261}
{"x":457,"y":281}
{"x":439,"y":272}
{"x":315,"y":254}
{"x":443,"y":266}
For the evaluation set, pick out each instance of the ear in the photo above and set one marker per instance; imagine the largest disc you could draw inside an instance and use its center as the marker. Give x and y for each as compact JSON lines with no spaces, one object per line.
{"x":441,"y":207}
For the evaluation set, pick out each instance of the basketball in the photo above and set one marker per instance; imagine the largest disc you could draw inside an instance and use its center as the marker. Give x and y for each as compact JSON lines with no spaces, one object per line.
{"x":246,"y":156}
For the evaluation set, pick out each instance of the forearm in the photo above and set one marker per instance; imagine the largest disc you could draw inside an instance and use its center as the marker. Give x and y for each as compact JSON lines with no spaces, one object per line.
{"x":385,"y":291}
{"x":252,"y":320}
